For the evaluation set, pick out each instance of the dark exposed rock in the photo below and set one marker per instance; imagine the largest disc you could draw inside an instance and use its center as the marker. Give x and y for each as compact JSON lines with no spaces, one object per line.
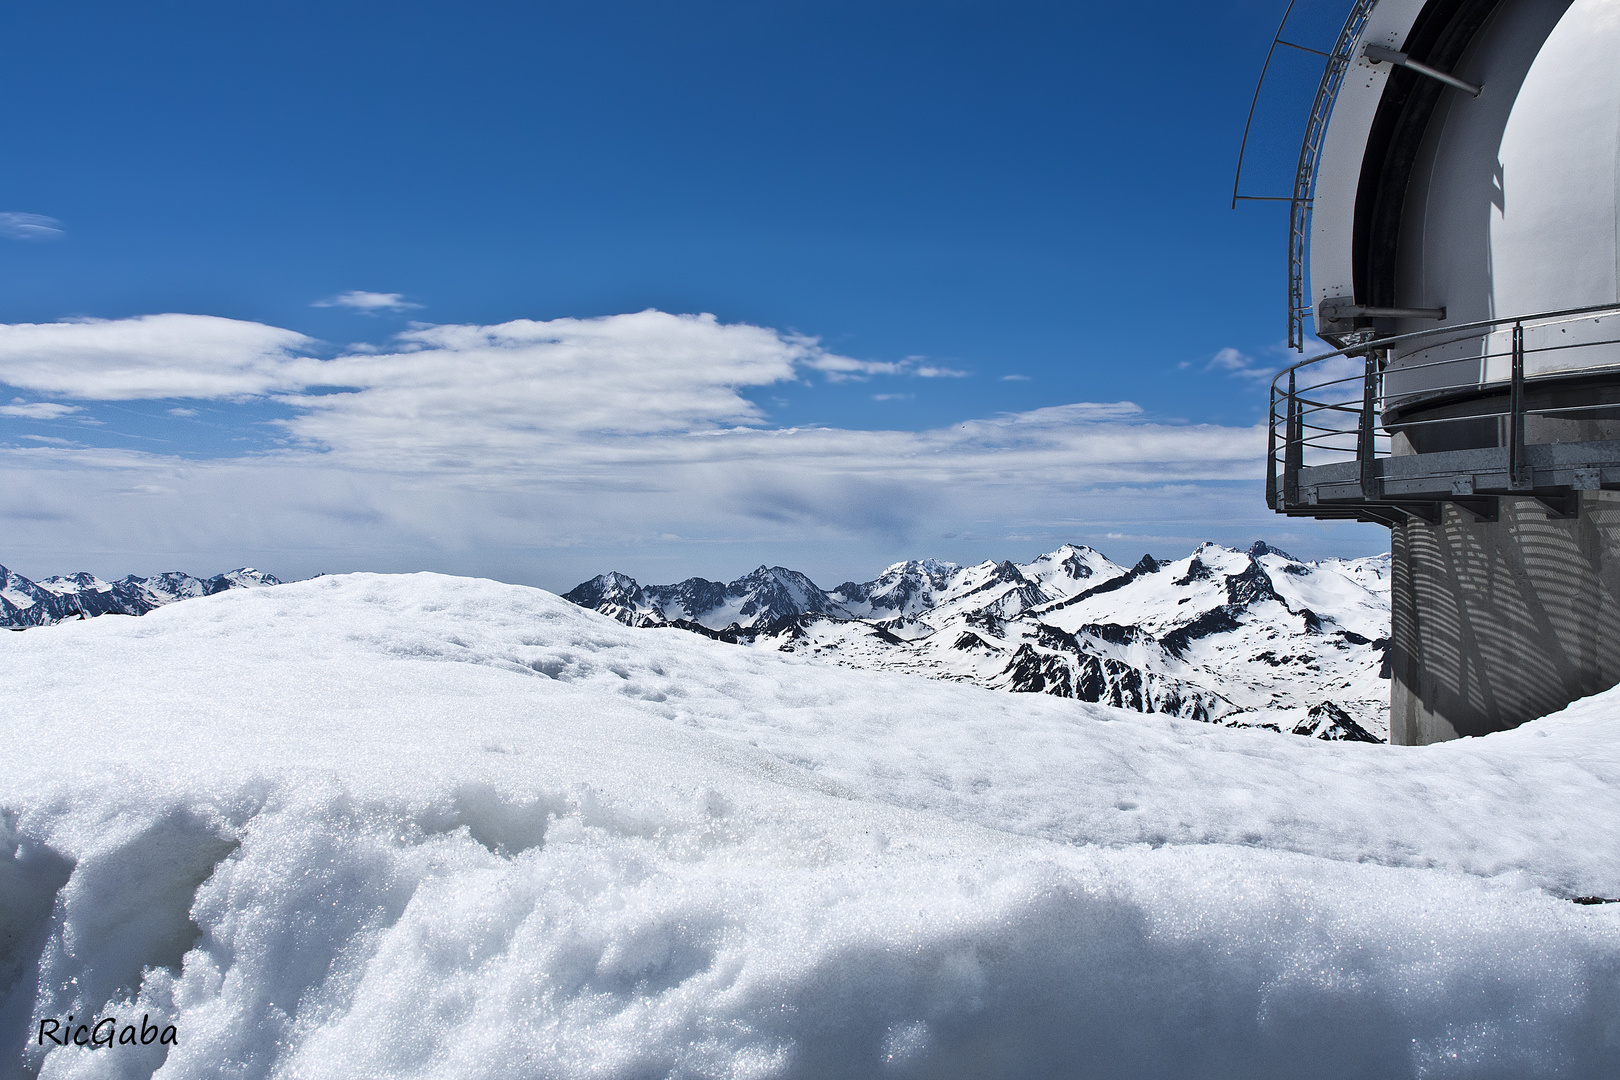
{"x":1106,"y":681}
{"x":985,"y":620}
{"x":1328,"y":721}
{"x":1050,"y":637}
{"x":1115,"y":633}
{"x":1260,"y":547}
{"x":1031,"y":672}
{"x":1249,"y":587}
{"x":1196,"y":571}
{"x":1213,"y":621}
{"x":1076,"y":568}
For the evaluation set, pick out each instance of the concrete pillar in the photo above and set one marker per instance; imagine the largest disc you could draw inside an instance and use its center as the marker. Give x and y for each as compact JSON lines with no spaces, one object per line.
{"x":1495,"y":623}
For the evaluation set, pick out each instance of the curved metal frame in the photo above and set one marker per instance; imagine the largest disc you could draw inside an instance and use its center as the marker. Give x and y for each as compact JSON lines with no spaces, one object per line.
{"x":1310,"y":149}
{"x":1299,"y":208}
{"x":1243,"y":147}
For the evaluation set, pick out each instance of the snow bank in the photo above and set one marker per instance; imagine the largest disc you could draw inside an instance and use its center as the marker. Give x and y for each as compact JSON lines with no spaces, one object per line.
{"x":434,"y":827}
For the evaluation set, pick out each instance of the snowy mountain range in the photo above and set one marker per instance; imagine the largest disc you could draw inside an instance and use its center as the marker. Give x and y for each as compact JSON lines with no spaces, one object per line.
{"x":40,"y":603}
{"x":1252,"y":638}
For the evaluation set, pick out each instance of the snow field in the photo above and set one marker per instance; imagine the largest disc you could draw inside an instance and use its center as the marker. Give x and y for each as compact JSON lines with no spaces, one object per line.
{"x":437,"y":827}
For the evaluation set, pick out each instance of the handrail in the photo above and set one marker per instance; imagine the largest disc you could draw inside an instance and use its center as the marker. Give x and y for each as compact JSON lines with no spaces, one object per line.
{"x":1436,"y":331}
{"x":1294,"y":407}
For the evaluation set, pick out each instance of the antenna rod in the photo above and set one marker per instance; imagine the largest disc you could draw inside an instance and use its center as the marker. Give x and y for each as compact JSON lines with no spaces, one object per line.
{"x":1380,"y":55}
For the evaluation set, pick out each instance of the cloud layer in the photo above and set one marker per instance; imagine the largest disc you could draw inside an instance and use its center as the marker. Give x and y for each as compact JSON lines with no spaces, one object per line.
{"x":607,"y":433}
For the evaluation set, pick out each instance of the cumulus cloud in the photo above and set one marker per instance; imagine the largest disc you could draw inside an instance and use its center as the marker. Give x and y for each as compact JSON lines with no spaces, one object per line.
{"x":570,"y":432}
{"x":369,"y":303}
{"x":1241,"y":365}
{"x":501,"y":396}
{"x":154,"y":356}
{"x":15,"y":226}
{"x":37,"y":410}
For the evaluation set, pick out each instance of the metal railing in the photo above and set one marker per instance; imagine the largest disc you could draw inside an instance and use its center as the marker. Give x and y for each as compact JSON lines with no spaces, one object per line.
{"x":1335,"y":418}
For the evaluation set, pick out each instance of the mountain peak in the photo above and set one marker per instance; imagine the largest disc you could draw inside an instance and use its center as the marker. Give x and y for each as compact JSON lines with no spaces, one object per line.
{"x":1260,"y":547}
{"x":609,"y":588}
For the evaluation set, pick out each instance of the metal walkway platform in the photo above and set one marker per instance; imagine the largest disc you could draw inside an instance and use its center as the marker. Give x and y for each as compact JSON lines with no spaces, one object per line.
{"x":1345,"y":444}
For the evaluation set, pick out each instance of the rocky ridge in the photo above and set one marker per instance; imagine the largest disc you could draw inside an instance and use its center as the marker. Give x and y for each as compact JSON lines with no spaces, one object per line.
{"x":25,"y":603}
{"x":1250,"y":638}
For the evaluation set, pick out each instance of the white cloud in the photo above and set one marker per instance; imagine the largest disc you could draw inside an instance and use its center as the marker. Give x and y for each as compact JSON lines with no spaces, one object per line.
{"x":569,"y":433}
{"x":1240,"y":364}
{"x":182,"y":412}
{"x":843,"y":368}
{"x":37,"y":410}
{"x":502,"y":394}
{"x":15,"y":226}
{"x":154,"y":356}
{"x":369,"y":303}
{"x":1015,"y":378}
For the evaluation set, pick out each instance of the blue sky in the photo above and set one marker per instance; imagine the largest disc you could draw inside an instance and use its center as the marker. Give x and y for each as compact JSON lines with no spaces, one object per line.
{"x":936,"y":216}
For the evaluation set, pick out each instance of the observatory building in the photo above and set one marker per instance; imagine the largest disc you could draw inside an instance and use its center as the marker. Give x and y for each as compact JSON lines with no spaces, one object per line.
{"x":1455,"y":206}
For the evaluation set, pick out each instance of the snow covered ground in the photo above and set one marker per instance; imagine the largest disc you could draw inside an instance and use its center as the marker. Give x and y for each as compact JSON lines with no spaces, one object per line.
{"x":420,"y":826}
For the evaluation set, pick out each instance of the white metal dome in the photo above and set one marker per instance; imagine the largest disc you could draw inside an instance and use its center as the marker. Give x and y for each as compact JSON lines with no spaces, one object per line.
{"x":1487,"y":207}
{"x":1459,"y":181}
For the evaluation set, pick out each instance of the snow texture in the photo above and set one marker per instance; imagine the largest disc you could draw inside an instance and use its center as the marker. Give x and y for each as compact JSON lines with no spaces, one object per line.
{"x":1251,"y":638}
{"x":420,"y":826}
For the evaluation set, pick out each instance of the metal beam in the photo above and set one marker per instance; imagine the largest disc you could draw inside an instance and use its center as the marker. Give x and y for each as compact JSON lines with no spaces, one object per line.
{"x":1334,"y":311}
{"x":1378,"y":54}
{"x":1560,"y":505}
{"x":1518,"y":468}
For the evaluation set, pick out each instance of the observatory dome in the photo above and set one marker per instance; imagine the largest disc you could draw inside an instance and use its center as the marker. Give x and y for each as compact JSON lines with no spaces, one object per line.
{"x":1459,"y":209}
{"x":1459,"y":187}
